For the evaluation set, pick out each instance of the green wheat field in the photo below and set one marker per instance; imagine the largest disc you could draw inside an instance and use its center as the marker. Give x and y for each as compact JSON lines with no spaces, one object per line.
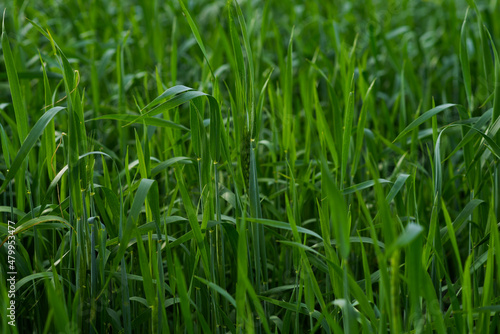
{"x":189,"y":166}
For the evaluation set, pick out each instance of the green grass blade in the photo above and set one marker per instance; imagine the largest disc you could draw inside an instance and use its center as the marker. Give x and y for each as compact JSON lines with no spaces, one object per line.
{"x":464,"y":61}
{"x":196,"y":34}
{"x":29,"y":143}
{"x":15,"y":88}
{"x":423,"y":118}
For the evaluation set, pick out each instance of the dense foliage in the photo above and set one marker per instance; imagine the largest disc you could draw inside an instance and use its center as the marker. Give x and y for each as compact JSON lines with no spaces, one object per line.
{"x":261,"y":166}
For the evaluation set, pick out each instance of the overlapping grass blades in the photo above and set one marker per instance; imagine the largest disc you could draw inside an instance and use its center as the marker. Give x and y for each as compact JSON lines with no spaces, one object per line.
{"x":251,"y":167}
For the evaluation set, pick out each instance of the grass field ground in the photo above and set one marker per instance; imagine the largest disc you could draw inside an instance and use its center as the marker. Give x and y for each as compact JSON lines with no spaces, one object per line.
{"x":252,"y":167}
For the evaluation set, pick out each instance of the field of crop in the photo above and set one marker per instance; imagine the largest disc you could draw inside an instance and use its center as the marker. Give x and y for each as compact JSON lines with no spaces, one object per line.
{"x":187,"y":166}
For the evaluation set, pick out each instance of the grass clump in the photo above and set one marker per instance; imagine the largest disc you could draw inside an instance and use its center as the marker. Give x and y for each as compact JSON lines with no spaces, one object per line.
{"x":250,"y":167}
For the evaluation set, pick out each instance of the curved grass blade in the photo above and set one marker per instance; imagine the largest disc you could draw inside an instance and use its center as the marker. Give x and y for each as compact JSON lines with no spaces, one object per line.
{"x":219,"y":290}
{"x":362,"y":185}
{"x":461,"y":218}
{"x":165,"y":164}
{"x":196,"y":34}
{"x":398,"y":184}
{"x":15,"y":88}
{"x":166,"y":95}
{"x":60,"y":174}
{"x":148,"y":121}
{"x":424,"y":117}
{"x":283,"y":226}
{"x":29,"y":143}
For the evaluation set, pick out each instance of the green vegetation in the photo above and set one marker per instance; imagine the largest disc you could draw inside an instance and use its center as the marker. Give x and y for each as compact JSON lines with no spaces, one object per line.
{"x":261,"y":167}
